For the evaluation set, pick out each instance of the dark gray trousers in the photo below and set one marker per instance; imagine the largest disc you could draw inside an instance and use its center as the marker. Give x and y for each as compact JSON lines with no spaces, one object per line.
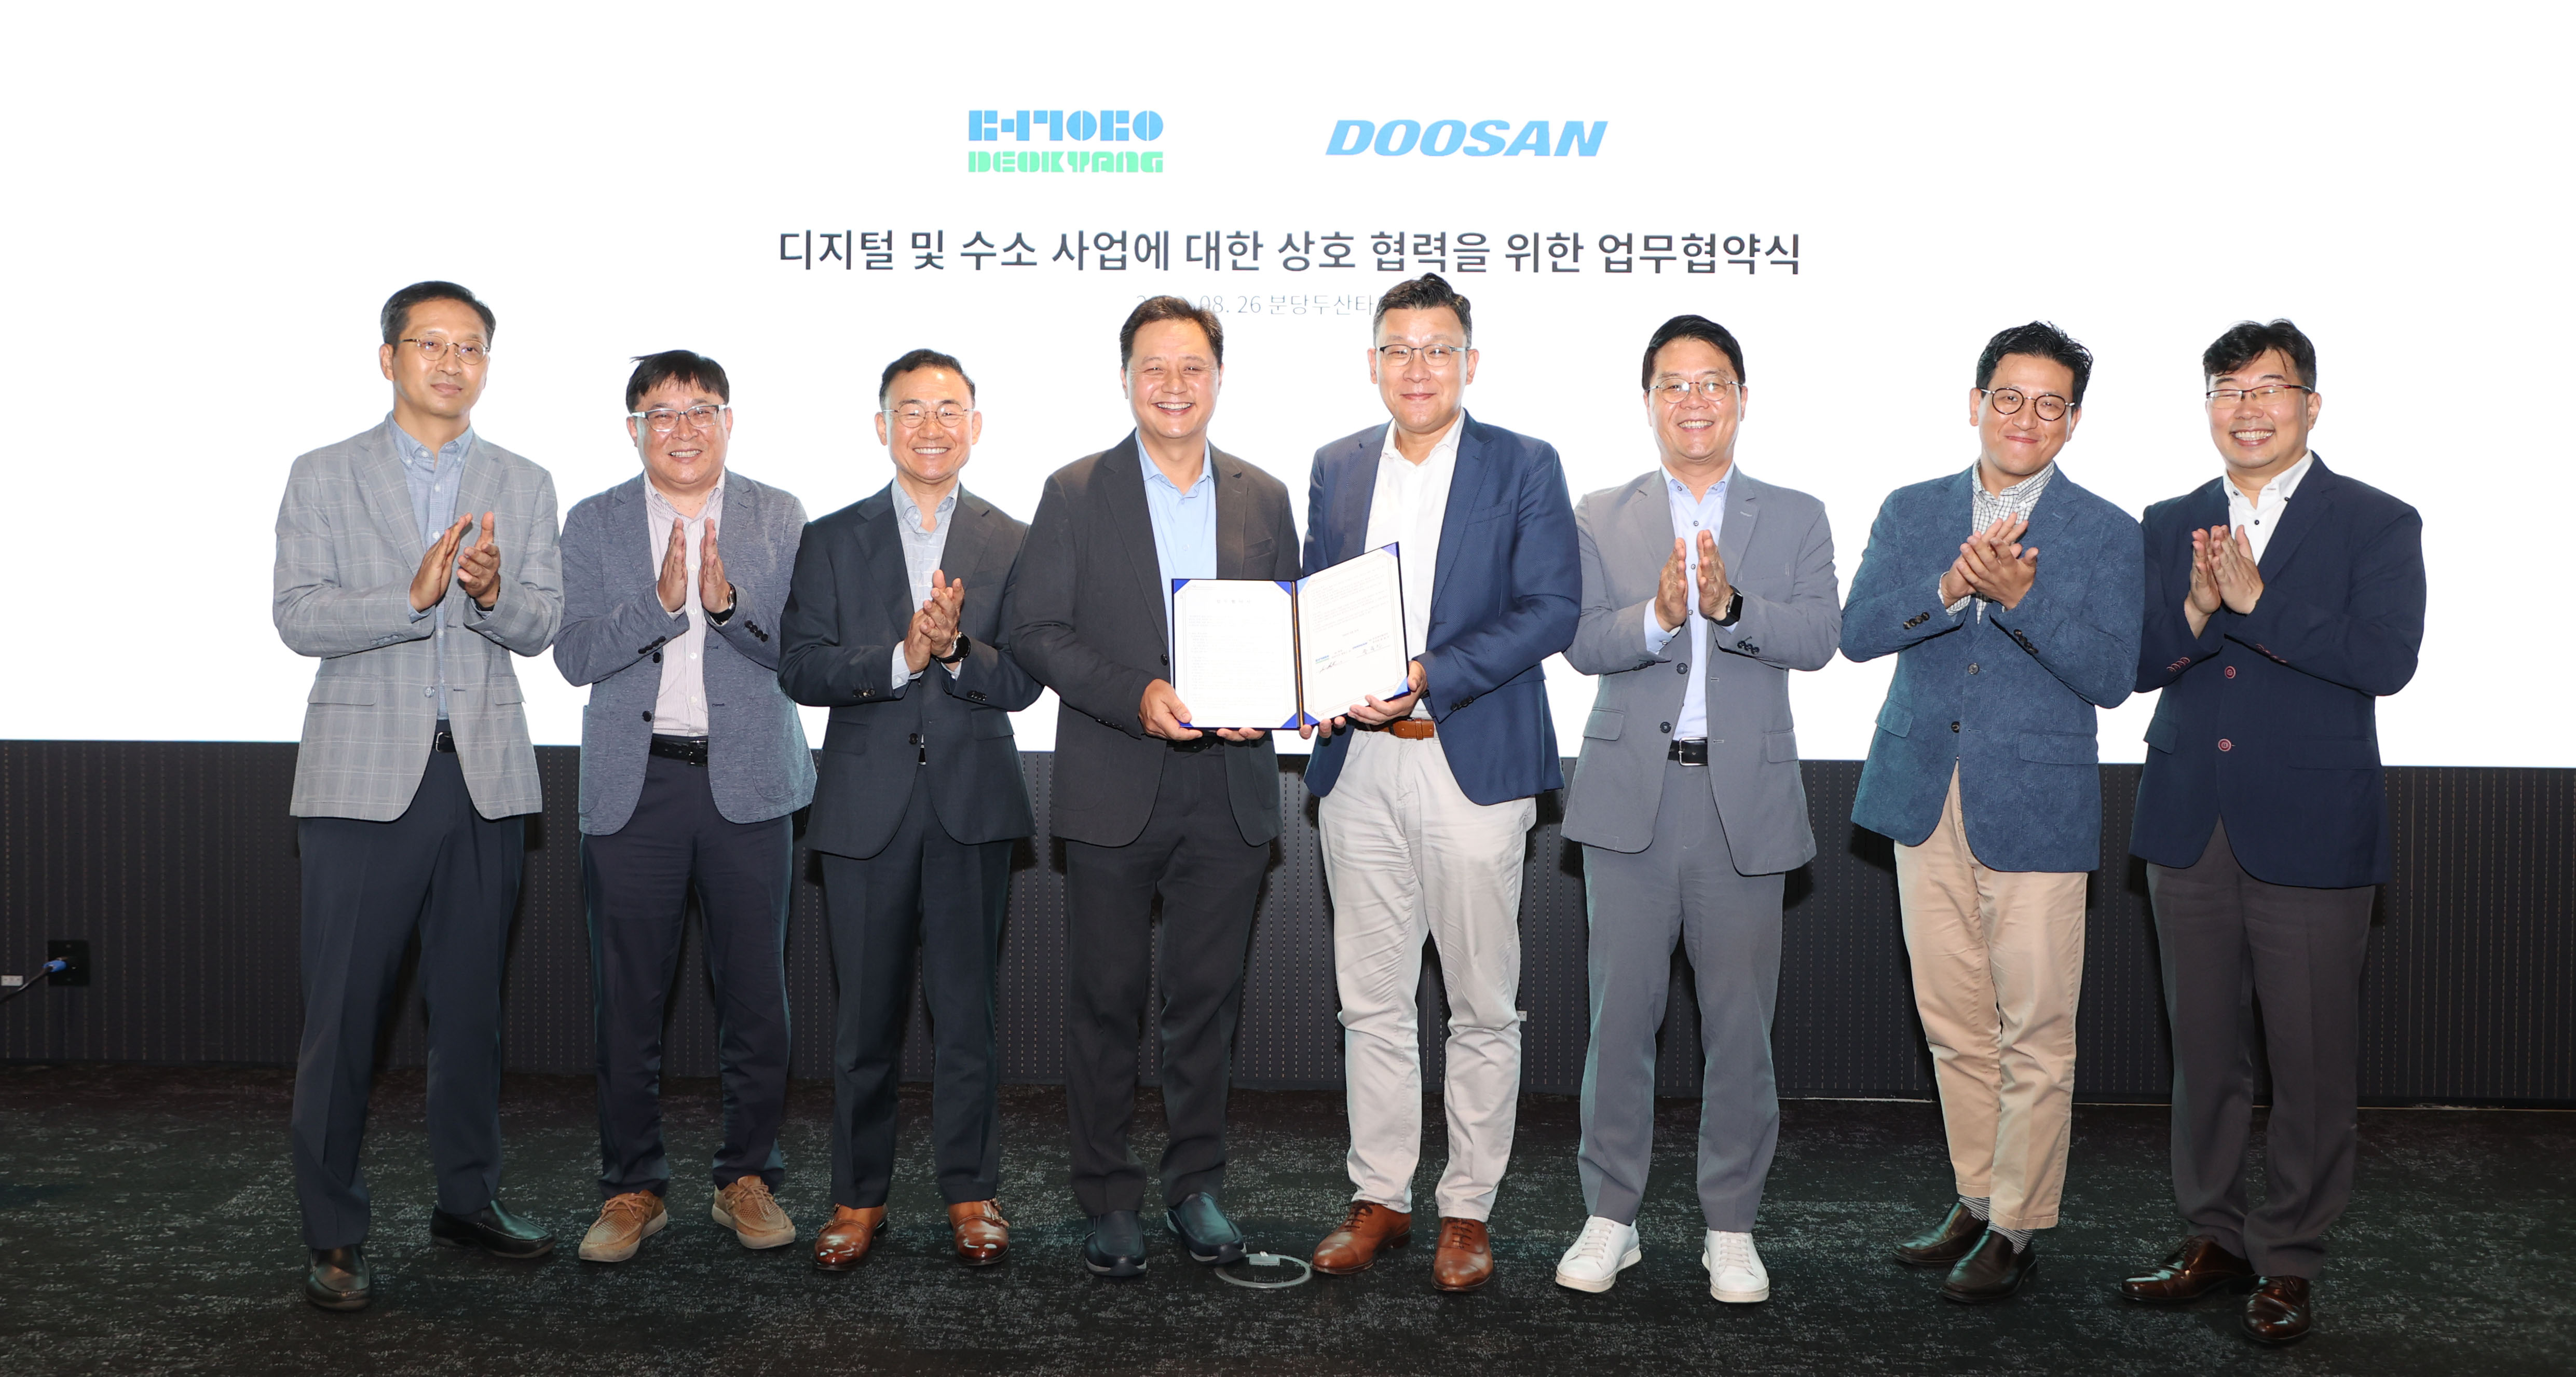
{"x":637,"y":882}
{"x":1682,"y":888}
{"x":453,"y":875}
{"x":2231,"y":943}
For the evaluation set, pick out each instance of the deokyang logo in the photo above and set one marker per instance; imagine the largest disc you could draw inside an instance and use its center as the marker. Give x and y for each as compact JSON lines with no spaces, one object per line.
{"x":1102,"y":141}
{"x":1473,"y":138}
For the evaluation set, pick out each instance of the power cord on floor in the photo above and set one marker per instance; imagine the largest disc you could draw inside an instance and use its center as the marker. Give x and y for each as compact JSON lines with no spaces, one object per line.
{"x":37,"y":979}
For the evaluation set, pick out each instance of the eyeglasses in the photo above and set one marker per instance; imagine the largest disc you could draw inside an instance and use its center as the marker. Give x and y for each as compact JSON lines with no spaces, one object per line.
{"x":1440,"y":357}
{"x":432,"y":350}
{"x":1189,"y":372}
{"x":662,"y":420}
{"x":2007,"y":400}
{"x":1675,"y":391}
{"x":910,"y":416}
{"x":2260,"y":396}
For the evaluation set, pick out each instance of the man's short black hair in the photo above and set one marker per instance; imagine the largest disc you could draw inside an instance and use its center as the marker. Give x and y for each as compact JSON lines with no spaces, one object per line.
{"x":1154,"y":308}
{"x":1428,"y":292}
{"x":919,"y":358}
{"x":2245,"y":342}
{"x":1699,"y":328}
{"x":396,"y":316}
{"x":2039,"y":339}
{"x":679,"y":366}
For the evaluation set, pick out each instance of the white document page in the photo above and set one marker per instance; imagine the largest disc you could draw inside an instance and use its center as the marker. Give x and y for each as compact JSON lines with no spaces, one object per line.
{"x":1234,"y":652}
{"x":1351,"y":623}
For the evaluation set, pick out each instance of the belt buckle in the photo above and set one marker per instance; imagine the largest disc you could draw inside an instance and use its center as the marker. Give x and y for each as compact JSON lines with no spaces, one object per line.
{"x":442,"y":742}
{"x":1681,"y":753}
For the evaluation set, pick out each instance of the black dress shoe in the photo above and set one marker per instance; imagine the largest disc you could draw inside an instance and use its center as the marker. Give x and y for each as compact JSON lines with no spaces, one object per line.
{"x":2191,"y":1271}
{"x":492,"y":1229}
{"x":1205,"y":1231}
{"x":339,"y":1279}
{"x":2278,"y":1312}
{"x":1946,"y":1243}
{"x":1116,"y":1247}
{"x":1991,"y":1271}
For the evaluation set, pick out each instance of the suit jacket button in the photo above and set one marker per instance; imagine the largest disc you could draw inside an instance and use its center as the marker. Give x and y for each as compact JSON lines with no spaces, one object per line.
{"x":657,"y":657}
{"x":648,"y":717}
{"x":2226,"y":745}
{"x":1972,"y":669}
{"x":1666,"y":727}
{"x":1954,"y":726}
{"x":1167,"y":661}
{"x":2230,"y":671}
{"x":1682,"y":668}
{"x":916,"y":739}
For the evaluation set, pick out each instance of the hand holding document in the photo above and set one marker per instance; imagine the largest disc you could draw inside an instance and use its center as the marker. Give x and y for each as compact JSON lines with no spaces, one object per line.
{"x":1258,"y":653}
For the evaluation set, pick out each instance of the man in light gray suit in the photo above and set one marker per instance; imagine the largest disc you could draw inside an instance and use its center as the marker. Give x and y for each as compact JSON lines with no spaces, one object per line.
{"x":1702,"y":588}
{"x":413,"y":559}
{"x":691,"y":761}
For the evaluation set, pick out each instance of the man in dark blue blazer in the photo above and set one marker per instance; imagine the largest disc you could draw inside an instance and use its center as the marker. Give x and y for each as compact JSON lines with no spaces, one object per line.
{"x":2283,"y":599}
{"x":1985,"y":771}
{"x":1429,"y":798}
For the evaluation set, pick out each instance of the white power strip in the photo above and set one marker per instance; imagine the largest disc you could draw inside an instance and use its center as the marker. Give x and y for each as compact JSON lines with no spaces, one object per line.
{"x":11,"y":982}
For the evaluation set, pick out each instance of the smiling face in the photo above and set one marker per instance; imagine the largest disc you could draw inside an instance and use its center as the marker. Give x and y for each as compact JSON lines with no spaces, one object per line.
{"x":929,"y":453}
{"x":1171,"y":380}
{"x":688,"y":459}
{"x":436,"y":390}
{"x":1696,"y":434}
{"x":1423,"y":399}
{"x":2012,"y":447}
{"x":2260,"y":438}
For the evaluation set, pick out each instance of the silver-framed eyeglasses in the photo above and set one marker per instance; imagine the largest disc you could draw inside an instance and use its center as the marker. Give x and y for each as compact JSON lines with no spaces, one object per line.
{"x":2265,"y":395}
{"x":1675,"y":391}
{"x":662,"y":420}
{"x":1438,"y":357}
{"x":1191,"y":371}
{"x":2007,"y":400}
{"x":467,"y":352}
{"x":911,"y":415}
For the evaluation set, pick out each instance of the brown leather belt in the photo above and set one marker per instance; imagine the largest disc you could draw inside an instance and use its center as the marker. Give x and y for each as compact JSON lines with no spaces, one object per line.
{"x":1402,"y":728}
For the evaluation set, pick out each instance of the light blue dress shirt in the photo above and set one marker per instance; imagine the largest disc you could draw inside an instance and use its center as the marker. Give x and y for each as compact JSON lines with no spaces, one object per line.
{"x":922,"y":551}
{"x":1691,"y":515}
{"x":1184,"y":524}
{"x":432,"y":480}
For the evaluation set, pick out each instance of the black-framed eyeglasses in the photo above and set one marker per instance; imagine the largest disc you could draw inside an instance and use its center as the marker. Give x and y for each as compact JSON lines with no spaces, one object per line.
{"x":662,"y":420}
{"x":1440,"y":357}
{"x":433,"y":350}
{"x":2265,"y":395}
{"x":2007,"y":400}
{"x":912,"y":414}
{"x":1675,"y":391}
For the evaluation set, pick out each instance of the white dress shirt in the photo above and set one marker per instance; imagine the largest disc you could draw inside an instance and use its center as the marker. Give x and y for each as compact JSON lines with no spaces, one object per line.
{"x":1405,"y":509}
{"x":681,"y":710}
{"x":2261,"y":516}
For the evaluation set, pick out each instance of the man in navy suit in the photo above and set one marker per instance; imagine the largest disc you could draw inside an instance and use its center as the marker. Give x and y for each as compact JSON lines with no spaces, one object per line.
{"x":1985,"y":771}
{"x":1428,"y":798}
{"x":2283,"y":599}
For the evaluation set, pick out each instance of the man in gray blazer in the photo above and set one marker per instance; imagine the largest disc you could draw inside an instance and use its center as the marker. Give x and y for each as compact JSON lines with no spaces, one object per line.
{"x":413,"y":559}
{"x":1702,"y":588}
{"x":691,"y":761}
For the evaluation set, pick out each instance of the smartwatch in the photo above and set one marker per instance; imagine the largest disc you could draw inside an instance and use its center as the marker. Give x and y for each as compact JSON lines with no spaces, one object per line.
{"x":956,"y":652}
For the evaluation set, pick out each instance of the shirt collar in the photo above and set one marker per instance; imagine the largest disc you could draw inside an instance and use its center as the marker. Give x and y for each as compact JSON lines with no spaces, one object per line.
{"x":414,"y":453}
{"x":653,"y":496}
{"x":1446,"y":448}
{"x":1154,"y":471}
{"x":1679,"y":488}
{"x":2018,"y":493}
{"x":2285,"y":484}
{"x":911,"y":507}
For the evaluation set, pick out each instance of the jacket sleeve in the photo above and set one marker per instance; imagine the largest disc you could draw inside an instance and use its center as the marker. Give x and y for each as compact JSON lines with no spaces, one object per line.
{"x":2371,"y":643}
{"x":2085,"y":630}
{"x":1044,"y":623}
{"x":601,"y":637}
{"x":1802,"y":632}
{"x":1608,"y":639}
{"x":2166,"y":646}
{"x":1546,"y":604}
{"x":1317,"y":503}
{"x":528,"y":606}
{"x":753,"y":627}
{"x":315,"y":615}
{"x":1895,"y":601}
{"x":814,"y":666}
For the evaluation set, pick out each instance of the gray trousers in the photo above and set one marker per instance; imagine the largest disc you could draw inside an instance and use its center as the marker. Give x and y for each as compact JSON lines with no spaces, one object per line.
{"x":1682,"y":888}
{"x":2230,"y":942}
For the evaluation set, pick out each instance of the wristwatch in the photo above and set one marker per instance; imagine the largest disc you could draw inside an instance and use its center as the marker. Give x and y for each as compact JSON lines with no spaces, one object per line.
{"x":720,"y":618}
{"x":1734,"y":607}
{"x":955,"y":653}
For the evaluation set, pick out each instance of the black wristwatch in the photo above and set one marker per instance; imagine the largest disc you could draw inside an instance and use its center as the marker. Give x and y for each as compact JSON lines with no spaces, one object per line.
{"x":956,"y":652}
{"x":1734,"y":607}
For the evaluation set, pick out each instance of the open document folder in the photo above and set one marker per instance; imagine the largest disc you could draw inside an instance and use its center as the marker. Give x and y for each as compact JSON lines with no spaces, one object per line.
{"x":1262,"y":653}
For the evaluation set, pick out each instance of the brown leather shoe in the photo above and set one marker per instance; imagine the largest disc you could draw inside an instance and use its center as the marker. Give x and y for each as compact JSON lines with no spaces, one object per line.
{"x":844,"y":1242}
{"x":982,"y":1234}
{"x":1353,"y":1247}
{"x":1465,"y":1258}
{"x":2191,"y":1271}
{"x":2278,"y":1311}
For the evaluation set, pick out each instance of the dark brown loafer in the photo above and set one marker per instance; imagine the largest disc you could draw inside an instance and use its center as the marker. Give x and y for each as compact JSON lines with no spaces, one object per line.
{"x":2278,"y":1312}
{"x":844,"y":1242}
{"x":1353,"y":1247}
{"x":1465,"y":1258}
{"x":982,"y":1235}
{"x":2191,"y":1271}
{"x":1948,"y":1241}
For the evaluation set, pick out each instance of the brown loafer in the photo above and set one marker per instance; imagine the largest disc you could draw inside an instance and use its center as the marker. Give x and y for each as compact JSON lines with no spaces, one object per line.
{"x":2278,"y":1312}
{"x":982,"y":1234}
{"x":2191,"y":1271}
{"x":1353,"y":1247}
{"x":844,"y":1242}
{"x":1465,"y":1258}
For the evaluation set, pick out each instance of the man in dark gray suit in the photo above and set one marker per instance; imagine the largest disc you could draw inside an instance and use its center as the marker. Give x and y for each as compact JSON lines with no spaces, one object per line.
{"x":894,"y":623}
{"x":691,"y":761}
{"x":1143,"y":802}
{"x":1703,"y":586}
{"x":413,"y":560}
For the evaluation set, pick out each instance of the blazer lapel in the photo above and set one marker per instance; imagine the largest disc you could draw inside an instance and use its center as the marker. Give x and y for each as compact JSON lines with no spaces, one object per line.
{"x":476,"y":489}
{"x":1735,"y":524}
{"x":1475,"y":472}
{"x":1123,"y":487}
{"x":1354,"y":497}
{"x":2049,"y":516}
{"x":880,"y":538}
{"x":1645,"y":527}
{"x":2303,"y":513}
{"x":969,"y":529}
{"x":630,"y":522}
{"x":387,"y":496}
{"x":1233,"y":515}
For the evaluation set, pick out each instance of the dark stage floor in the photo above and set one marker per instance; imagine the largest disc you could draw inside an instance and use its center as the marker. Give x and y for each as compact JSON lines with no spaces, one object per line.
{"x":150,"y":1228}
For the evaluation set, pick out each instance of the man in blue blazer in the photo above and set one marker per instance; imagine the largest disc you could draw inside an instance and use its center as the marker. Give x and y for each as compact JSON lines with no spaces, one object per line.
{"x":691,"y":761}
{"x":1428,"y":798}
{"x":2010,"y":597}
{"x":2283,"y":599}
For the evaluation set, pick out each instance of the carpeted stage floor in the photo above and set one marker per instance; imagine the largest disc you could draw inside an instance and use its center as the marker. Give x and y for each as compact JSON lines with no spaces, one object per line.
{"x":147,"y":1225}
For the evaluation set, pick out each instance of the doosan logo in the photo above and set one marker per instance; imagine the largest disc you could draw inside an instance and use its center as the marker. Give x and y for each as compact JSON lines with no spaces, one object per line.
{"x":1477,"y":139}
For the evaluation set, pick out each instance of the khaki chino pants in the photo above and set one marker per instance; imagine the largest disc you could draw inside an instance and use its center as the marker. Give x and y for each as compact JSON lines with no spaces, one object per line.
{"x":1998,"y":960}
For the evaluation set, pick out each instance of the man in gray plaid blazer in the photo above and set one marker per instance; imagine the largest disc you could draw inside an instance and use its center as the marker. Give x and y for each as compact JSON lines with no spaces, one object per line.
{"x":413,"y":559}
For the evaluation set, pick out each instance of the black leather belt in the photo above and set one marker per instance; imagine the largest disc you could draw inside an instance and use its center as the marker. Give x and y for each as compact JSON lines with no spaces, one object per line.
{"x":442,"y":740}
{"x":1688,"y":752}
{"x":688,"y":750}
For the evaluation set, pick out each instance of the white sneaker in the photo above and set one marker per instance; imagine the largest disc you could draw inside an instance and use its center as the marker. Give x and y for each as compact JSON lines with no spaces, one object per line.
{"x":1600,"y":1253}
{"x":1735,"y":1271}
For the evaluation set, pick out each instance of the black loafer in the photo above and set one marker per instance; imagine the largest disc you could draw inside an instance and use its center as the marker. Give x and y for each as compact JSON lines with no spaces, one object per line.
{"x":1991,"y":1271}
{"x":339,"y":1279}
{"x":1948,"y":1241}
{"x":1116,"y":1247}
{"x":492,"y":1229}
{"x":1210,"y":1236}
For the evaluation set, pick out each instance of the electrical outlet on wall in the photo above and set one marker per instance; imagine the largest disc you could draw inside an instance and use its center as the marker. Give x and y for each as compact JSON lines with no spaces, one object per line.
{"x":74,"y":954}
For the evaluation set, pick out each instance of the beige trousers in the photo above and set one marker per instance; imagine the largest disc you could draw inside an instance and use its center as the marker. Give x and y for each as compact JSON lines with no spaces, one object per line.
{"x":1998,"y":963}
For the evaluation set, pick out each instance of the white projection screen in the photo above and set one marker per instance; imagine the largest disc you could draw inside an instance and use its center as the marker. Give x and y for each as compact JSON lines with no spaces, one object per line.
{"x":208,"y":205}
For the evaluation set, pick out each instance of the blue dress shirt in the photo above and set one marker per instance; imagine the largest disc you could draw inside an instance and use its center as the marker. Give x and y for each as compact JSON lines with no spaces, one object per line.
{"x":1691,"y":515}
{"x":922,"y":551}
{"x":432,"y":480}
{"x":1184,"y":524}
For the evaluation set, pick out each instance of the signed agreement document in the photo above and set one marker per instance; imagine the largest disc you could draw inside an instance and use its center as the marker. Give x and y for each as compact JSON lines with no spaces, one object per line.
{"x":1257,"y":653}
